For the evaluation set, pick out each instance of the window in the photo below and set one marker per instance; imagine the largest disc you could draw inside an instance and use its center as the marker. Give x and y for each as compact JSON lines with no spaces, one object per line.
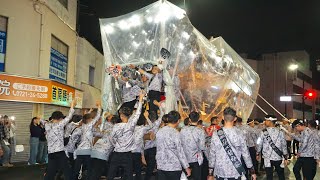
{"x":58,"y":60}
{"x":304,"y":77}
{"x":91,"y":75}
{"x":3,"y":41}
{"x":64,"y":3}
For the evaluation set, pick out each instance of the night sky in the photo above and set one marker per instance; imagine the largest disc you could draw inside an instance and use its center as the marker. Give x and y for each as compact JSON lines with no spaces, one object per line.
{"x":249,"y":26}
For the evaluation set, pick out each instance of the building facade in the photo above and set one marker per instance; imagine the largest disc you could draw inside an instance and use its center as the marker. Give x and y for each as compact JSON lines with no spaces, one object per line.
{"x":89,"y":72}
{"x":38,"y":52}
{"x":277,"y":80}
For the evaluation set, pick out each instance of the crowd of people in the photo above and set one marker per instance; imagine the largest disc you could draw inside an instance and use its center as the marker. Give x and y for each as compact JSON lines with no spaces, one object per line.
{"x":141,"y":135}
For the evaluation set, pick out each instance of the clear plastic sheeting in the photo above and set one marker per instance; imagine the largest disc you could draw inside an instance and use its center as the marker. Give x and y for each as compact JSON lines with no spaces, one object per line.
{"x":212,"y":75}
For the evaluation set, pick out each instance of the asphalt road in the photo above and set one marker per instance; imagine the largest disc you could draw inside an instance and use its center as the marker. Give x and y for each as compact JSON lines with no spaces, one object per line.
{"x":24,"y":172}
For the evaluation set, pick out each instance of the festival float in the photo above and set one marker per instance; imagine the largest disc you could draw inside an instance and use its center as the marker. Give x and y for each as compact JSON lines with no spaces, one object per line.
{"x":200,"y":74}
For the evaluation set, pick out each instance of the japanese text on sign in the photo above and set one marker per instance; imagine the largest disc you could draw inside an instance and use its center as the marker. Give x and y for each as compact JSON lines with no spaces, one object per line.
{"x":58,"y":66}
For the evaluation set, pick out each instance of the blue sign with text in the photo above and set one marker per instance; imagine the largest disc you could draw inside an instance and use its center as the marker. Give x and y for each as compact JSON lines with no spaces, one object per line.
{"x":3,"y":43}
{"x":58,"y":66}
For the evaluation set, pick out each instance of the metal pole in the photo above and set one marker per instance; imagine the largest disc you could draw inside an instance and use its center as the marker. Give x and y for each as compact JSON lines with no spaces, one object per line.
{"x":303,"y":100}
{"x":314,"y":109}
{"x":259,"y":107}
{"x":286,"y":93}
{"x":272,"y":106}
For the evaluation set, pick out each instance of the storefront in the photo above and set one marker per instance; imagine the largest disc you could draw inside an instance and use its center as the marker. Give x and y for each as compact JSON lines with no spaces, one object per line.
{"x":25,"y":98}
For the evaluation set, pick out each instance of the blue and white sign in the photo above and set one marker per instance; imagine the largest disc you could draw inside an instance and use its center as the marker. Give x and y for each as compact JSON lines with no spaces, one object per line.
{"x":58,"y":66}
{"x":3,"y":43}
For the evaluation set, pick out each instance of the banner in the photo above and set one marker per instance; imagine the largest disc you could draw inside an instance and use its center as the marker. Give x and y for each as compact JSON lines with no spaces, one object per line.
{"x":15,"y":88}
{"x":58,"y":66}
{"x":3,"y":43}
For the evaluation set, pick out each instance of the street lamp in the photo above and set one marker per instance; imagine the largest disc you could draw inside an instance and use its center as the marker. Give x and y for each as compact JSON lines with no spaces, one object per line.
{"x":291,"y":67}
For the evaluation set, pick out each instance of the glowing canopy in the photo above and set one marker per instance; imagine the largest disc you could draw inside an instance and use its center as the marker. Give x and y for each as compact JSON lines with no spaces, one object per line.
{"x":212,"y":75}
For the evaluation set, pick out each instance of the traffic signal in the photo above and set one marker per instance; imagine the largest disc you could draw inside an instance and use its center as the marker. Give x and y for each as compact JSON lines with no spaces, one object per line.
{"x":310,"y":94}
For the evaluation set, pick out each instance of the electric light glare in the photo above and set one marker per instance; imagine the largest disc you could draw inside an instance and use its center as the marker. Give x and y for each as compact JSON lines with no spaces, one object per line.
{"x":109,"y":29}
{"x":192,"y":55}
{"x":123,"y":25}
{"x":293,"y":67}
{"x":185,"y":35}
{"x":181,"y":46}
{"x":135,"y":44}
{"x":135,"y":20}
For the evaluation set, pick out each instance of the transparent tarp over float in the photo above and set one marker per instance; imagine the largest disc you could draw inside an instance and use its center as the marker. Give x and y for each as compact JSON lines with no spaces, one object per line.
{"x":212,"y":75}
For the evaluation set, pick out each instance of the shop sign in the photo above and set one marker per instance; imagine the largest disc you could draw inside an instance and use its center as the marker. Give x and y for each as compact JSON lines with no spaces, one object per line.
{"x":3,"y":43}
{"x":61,"y":94}
{"x":14,"y":88}
{"x":58,"y":66}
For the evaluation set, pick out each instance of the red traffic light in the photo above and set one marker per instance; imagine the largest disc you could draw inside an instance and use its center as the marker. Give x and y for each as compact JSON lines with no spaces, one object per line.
{"x":310,"y":94}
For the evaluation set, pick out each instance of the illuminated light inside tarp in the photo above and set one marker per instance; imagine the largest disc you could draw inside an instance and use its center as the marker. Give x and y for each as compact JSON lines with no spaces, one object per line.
{"x":247,"y":91}
{"x":181,"y":46}
{"x":123,"y":25}
{"x":148,"y":42}
{"x":144,"y":32}
{"x":164,"y":14}
{"x":109,"y":29}
{"x":125,"y":55}
{"x":185,"y":35}
{"x":135,"y":21}
{"x":234,"y":87}
{"x":228,"y":59}
{"x":149,"y":19}
{"x":218,"y":59}
{"x":135,"y":44}
{"x":191,"y":54}
{"x":215,"y":87}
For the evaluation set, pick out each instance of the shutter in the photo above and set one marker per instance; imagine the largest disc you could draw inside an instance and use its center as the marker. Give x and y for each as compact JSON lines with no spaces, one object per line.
{"x":65,"y":110}
{"x":49,"y":109}
{"x":23,"y":114}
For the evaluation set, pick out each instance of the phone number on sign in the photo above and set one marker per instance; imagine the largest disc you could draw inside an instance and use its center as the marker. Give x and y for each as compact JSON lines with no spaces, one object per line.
{"x":30,"y":94}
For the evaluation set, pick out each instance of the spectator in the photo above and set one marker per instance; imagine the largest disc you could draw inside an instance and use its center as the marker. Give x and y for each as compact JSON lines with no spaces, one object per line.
{"x":214,"y":126}
{"x":42,"y":156}
{"x":4,"y":136}
{"x":35,"y":133}
{"x":11,"y":127}
{"x":1,"y":154}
